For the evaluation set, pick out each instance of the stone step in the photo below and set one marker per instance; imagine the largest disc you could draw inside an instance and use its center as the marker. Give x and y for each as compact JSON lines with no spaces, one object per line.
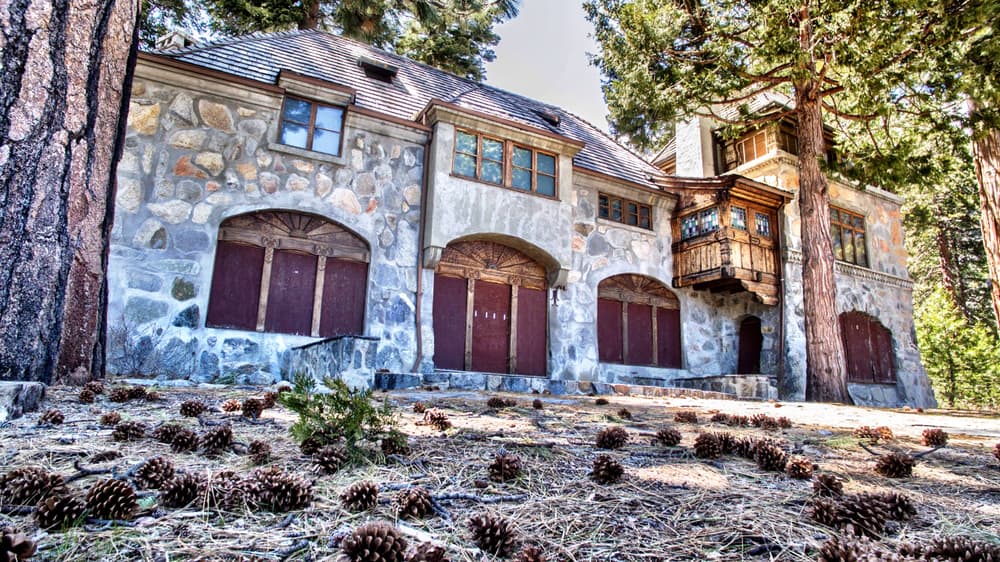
{"x":743,"y":387}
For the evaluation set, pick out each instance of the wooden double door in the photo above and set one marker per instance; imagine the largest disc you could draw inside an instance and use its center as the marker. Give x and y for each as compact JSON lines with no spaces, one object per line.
{"x":490,"y":312}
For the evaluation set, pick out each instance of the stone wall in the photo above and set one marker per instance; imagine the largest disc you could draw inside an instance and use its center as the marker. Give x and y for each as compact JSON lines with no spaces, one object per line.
{"x":348,"y":358}
{"x":200,"y":150}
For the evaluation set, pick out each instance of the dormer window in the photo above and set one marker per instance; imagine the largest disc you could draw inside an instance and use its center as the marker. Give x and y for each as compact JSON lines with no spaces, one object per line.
{"x":311,"y":126}
{"x":504,"y":163}
{"x":378,"y":70}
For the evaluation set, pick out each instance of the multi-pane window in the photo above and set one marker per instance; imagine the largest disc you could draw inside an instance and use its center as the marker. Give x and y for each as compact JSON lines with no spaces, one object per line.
{"x":763,"y":223}
{"x":311,"y":126}
{"x":701,"y":222}
{"x":624,"y":211}
{"x":689,"y":227}
{"x":503,"y":163}
{"x":848,"y":232}
{"x":751,"y":147}
{"x":738,"y":217}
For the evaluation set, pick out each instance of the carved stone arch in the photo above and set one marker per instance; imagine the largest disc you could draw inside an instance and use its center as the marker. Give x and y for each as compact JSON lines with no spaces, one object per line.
{"x":630,"y":287}
{"x":494,"y":262}
{"x":296,"y":231}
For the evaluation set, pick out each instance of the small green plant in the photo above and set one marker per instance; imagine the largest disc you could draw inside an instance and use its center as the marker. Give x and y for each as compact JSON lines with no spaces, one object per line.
{"x":342,"y":414}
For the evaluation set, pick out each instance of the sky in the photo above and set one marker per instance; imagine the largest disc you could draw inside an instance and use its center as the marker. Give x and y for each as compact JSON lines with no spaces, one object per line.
{"x":543,"y":55}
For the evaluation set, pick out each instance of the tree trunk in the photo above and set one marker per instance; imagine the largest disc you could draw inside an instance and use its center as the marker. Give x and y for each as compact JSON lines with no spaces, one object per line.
{"x":986,"y":155}
{"x":950,"y":277}
{"x":66,"y":65}
{"x":310,"y":15}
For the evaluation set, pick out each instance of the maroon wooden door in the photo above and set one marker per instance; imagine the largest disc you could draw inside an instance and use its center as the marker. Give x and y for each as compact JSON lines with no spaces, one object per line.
{"x":854,"y":331}
{"x":884,"y":370}
{"x":450,"y":306}
{"x":640,"y":334}
{"x":609,"y":331}
{"x":291,"y":293}
{"x":668,"y":337}
{"x":750,"y":343}
{"x":532,"y":329}
{"x":491,"y":328}
{"x":235,"y":286}
{"x":344,"y":287}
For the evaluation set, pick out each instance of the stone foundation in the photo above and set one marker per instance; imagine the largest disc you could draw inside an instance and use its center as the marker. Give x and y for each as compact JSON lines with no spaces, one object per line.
{"x":347,"y":358}
{"x":744,"y":387}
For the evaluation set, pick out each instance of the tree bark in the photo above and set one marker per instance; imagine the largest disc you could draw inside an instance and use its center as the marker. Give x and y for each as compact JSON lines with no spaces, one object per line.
{"x":310,"y":15}
{"x":950,"y":276}
{"x":986,"y":156}
{"x":826,"y":369}
{"x":65,"y":71}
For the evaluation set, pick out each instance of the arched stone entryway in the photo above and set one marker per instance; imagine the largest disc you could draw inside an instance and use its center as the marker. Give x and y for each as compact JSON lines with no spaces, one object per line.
{"x":749,"y":347}
{"x":638,"y":322}
{"x":490,"y":310}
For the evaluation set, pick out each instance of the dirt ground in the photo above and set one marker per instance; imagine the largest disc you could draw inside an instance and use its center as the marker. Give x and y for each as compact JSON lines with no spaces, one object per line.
{"x":669,"y":505}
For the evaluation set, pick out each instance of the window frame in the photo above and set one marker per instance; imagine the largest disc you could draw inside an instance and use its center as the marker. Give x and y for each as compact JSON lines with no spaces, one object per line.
{"x":311,"y":126}
{"x":625,"y":202}
{"x":837,"y":229}
{"x":507,"y":164}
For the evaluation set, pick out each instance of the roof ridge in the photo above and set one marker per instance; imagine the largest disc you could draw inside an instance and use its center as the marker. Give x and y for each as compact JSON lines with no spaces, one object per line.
{"x":229,"y":40}
{"x":614,"y":140}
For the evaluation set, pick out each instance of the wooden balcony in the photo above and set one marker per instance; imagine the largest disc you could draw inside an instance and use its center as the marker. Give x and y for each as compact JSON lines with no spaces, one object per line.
{"x":726,"y":232}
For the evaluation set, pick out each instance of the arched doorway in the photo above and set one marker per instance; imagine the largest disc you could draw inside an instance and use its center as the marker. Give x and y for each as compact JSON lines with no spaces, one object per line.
{"x":868,"y":348}
{"x":290,"y":273}
{"x":750,"y":343}
{"x":490,"y":310}
{"x":638,"y":322}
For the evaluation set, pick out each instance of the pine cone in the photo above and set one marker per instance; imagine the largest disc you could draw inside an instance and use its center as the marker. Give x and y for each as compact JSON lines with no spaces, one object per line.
{"x":119,"y":394}
{"x":784,"y":423}
{"x":719,"y":417}
{"x":898,"y":507}
{"x":25,"y":486}
{"x":153,"y":396}
{"x":601,"y":402}
{"x":707,"y":446}
{"x":413,"y":503}
{"x":828,"y":485}
{"x":607,"y":470}
{"x":530,"y":554}
{"x":129,"y":431}
{"x":824,"y":512}
{"x":215,"y":440}
{"x":184,"y":441}
{"x":738,"y":421}
{"x":769,"y":456}
{"x":97,"y":387}
{"x":330,"y":459}
{"x":53,"y":417}
{"x":395,"y":443}
{"x":746,"y":447}
{"x":269,"y":400}
{"x":252,"y":408}
{"x":493,"y":534}
{"x":505,"y":467}
{"x":231,"y":405}
{"x":880,"y":433}
{"x":136,"y":392}
{"x":895,"y":465}
{"x":260,"y":452}
{"x":496,"y":403}
{"x":419,"y":407}
{"x":360,"y":496}
{"x":935,"y":437}
{"x":728,"y":442}
{"x":537,"y":404}
{"x":180,"y":490}
{"x":847,"y":548}
{"x":167,"y":432}
{"x":280,"y":491}
{"x":860,"y":516}
{"x":110,"y":419}
{"x":111,"y":499}
{"x":311,"y":445}
{"x":668,"y":437}
{"x":86,"y":396}
{"x":192,"y":408}
{"x":614,"y":437}
{"x":427,"y":552}
{"x":373,"y":542}
{"x":996,"y":451}
{"x":958,"y":549}
{"x":437,"y":419}
{"x":154,"y":472}
{"x":625,"y":414}
{"x":15,"y":546}
{"x":686,"y":416}
{"x":59,"y":511}
{"x":799,"y":467}
{"x":758,"y":420}
{"x":227,"y":490}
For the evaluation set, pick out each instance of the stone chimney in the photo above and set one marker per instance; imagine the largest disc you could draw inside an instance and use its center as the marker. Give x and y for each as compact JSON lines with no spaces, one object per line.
{"x":174,"y":40}
{"x":693,"y":150}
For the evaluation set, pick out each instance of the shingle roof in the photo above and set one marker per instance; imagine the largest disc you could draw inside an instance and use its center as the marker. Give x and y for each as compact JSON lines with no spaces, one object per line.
{"x":325,"y":56}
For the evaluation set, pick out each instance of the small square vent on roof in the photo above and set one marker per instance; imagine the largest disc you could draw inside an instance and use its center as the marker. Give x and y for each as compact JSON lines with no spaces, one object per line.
{"x":378,"y":70}
{"x":550,"y":117}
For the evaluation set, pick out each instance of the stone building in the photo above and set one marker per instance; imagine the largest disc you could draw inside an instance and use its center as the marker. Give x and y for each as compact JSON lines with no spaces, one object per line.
{"x":302,"y":202}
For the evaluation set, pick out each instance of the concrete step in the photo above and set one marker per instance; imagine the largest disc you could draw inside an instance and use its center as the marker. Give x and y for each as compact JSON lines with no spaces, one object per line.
{"x":743,"y":387}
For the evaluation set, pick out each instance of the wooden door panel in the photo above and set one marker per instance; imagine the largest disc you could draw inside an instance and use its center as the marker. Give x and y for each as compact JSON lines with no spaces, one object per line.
{"x":235,"y":292}
{"x":750,"y":343}
{"x":857,"y":347}
{"x":609,"y":331}
{"x":344,"y":287}
{"x":532,"y":331}
{"x":640,"y":334}
{"x":491,"y":328}
{"x":668,"y":337}
{"x":884,"y":370}
{"x":291,"y":293}
{"x":450,"y":306}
